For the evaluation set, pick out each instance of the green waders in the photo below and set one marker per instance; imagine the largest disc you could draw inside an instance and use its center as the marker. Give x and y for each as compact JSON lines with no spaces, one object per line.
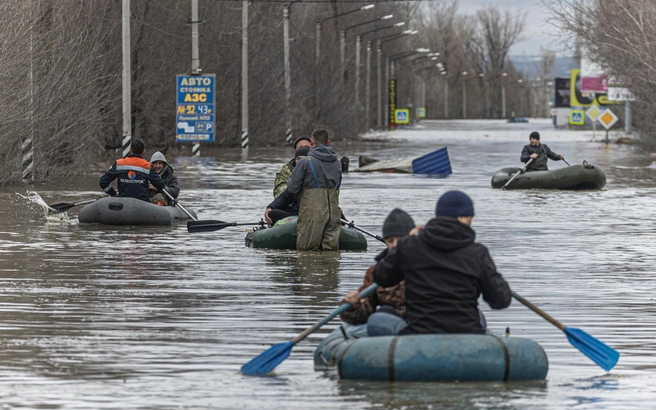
{"x":318,"y":225}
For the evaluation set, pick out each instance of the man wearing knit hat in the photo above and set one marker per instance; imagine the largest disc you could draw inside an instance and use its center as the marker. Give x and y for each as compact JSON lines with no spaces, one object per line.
{"x":282,"y":176}
{"x":445,"y":272}
{"x":539,"y":153}
{"x":387,"y":319}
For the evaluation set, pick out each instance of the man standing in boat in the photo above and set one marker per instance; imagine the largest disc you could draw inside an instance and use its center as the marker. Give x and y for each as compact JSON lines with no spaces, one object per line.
{"x":133,"y":174}
{"x":282,"y":176}
{"x":445,"y":272}
{"x":317,"y":178}
{"x":539,"y":153}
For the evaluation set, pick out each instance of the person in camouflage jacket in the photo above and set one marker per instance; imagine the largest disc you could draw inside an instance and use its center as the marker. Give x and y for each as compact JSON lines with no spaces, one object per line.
{"x":397,"y":225}
{"x":282,"y":176}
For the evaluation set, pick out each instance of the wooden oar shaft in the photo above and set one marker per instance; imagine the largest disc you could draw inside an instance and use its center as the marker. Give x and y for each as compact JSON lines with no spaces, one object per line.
{"x":366,"y":292}
{"x":538,"y":311}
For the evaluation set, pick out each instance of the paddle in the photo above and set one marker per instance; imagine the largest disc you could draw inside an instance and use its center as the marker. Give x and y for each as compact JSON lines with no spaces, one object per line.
{"x":212,"y":225}
{"x":269,"y":359}
{"x":352,"y":226}
{"x":517,"y":173}
{"x":600,"y":353}
{"x":566,"y":162}
{"x":179,"y":205}
{"x":63,"y":206}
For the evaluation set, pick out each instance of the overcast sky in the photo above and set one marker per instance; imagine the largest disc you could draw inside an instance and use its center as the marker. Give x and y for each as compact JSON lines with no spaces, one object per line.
{"x":537,"y":32}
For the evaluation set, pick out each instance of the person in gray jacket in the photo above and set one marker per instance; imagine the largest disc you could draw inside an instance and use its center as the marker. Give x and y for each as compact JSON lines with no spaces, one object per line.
{"x":317,"y":178}
{"x":165,"y":171}
{"x":540,"y":153}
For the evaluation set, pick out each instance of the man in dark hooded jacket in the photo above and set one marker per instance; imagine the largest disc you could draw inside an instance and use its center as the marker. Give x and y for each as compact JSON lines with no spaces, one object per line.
{"x":539,"y":152}
{"x":317,"y":178}
{"x":445,"y":272}
{"x":166,"y":172}
{"x":134,"y":174}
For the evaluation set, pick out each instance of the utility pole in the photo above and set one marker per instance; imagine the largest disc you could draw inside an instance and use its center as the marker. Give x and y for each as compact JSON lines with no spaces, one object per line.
{"x":244,"y":78}
{"x":379,"y":120}
{"x":27,"y":144}
{"x":358,"y":40}
{"x":127,"y":87}
{"x":317,"y":80}
{"x":195,"y":59}
{"x":368,"y":86}
{"x":342,"y":52}
{"x":446,"y":98}
{"x":288,"y":78}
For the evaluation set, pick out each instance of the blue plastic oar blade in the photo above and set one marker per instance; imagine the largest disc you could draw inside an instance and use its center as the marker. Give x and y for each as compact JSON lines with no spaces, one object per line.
{"x":600,"y":353}
{"x":266,"y":361}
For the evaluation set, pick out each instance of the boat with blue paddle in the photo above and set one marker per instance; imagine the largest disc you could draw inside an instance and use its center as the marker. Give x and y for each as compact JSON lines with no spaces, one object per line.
{"x":430,"y":357}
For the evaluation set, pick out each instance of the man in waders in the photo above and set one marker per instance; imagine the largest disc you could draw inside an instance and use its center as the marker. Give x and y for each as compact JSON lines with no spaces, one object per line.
{"x":539,"y":152}
{"x":317,"y":178}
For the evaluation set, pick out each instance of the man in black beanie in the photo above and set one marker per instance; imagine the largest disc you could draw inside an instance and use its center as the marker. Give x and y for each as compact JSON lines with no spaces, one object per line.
{"x":539,"y":152}
{"x":445,"y":272}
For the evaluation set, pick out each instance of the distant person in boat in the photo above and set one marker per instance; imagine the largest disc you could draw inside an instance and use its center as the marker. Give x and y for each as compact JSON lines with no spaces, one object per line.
{"x":316,"y":178}
{"x":282,"y":176}
{"x":133,"y":173}
{"x":539,"y":152}
{"x":166,"y":172}
{"x":286,"y":204}
{"x":445,"y":272}
{"x":390,"y":301}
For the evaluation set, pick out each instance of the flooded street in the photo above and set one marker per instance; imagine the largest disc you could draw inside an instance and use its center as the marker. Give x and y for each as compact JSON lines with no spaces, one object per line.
{"x":137,"y":317}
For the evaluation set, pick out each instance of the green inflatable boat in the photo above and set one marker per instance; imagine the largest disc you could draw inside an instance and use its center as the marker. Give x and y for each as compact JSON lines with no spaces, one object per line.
{"x":576,"y":177}
{"x":283,"y":236}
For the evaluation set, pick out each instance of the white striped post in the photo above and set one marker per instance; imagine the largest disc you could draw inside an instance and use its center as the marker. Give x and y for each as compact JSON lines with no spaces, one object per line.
{"x":27,"y":164}
{"x":288,"y":135}
{"x":195,"y":149}
{"x":244,"y":140}
{"x":127,"y":143}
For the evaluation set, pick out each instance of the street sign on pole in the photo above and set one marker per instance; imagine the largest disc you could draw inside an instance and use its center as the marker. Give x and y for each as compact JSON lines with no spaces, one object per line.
{"x":608,"y":118}
{"x":195,"y":108}
{"x":402,"y":116}
{"x":421,"y":112}
{"x":576,"y":117}
{"x":593,"y":113}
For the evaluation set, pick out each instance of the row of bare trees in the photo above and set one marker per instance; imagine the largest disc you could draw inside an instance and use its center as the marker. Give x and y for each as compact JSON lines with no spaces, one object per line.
{"x":619,"y":36}
{"x":60,"y":64}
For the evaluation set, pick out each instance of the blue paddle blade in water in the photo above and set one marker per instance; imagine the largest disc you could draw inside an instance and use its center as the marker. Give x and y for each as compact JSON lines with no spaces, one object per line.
{"x":268,"y":360}
{"x":602,"y":354}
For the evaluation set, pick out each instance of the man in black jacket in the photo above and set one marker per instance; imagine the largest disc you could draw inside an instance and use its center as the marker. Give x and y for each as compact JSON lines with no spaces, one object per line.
{"x":539,"y":152}
{"x":445,"y":272}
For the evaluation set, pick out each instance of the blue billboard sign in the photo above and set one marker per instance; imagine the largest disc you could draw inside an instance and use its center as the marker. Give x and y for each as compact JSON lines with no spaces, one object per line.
{"x":195,"y":108}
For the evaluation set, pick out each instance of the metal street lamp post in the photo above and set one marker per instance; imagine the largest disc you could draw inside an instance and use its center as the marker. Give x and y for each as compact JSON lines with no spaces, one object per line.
{"x":342,"y":53}
{"x":317,"y":53}
{"x":464,"y":97}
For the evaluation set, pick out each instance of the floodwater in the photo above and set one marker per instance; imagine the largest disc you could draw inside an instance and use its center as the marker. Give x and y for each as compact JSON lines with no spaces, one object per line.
{"x":152,"y":318}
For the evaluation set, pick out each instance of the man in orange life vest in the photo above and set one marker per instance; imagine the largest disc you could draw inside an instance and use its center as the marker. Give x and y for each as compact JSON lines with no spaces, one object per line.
{"x":133,"y":173}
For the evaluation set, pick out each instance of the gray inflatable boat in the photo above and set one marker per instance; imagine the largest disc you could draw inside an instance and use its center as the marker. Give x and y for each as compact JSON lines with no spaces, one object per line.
{"x":576,"y":177}
{"x":130,"y":211}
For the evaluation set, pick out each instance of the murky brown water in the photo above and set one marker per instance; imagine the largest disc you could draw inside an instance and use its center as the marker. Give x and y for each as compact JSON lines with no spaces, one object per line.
{"x":100,"y":317}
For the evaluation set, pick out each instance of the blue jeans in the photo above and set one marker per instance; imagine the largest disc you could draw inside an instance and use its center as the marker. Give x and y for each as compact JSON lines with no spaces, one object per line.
{"x":385,"y":322}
